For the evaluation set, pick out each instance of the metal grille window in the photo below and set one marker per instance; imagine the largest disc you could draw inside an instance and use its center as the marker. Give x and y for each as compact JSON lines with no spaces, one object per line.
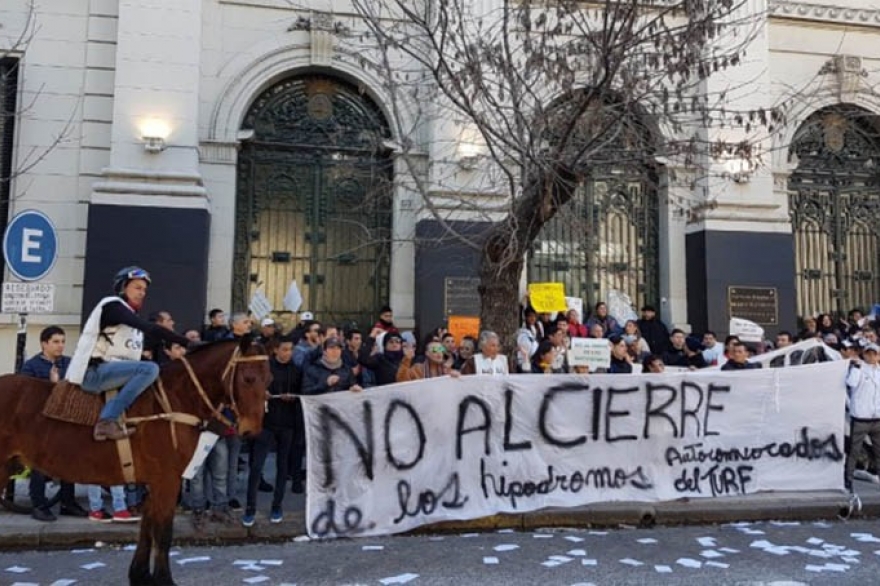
{"x":8,"y":92}
{"x":314,"y":200}
{"x":834,"y":202}
{"x":606,"y":238}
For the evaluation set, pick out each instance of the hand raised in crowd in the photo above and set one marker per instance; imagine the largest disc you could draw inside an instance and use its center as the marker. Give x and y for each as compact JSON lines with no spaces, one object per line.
{"x":332,"y":380}
{"x":376,"y":332}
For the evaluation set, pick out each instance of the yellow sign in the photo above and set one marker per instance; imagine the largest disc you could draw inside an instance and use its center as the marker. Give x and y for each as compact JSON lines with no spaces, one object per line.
{"x":463,"y":325}
{"x":547,"y":297}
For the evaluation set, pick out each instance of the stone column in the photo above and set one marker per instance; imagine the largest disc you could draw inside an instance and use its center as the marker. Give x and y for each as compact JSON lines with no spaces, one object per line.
{"x":150,"y":207}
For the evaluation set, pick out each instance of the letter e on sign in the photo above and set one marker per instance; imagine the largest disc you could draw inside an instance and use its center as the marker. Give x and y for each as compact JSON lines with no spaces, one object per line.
{"x":30,"y":245}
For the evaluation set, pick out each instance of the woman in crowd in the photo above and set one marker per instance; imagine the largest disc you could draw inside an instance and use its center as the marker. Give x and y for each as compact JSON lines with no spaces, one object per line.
{"x":621,"y":363}
{"x":542,"y":360}
{"x":437,"y":363}
{"x":633,"y":337}
{"x":527,"y":338}
{"x":465,"y":352}
{"x":575,"y":328}
{"x":810,"y":328}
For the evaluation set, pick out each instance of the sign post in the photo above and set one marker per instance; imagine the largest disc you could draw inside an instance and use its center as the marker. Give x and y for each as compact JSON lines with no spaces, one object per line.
{"x":30,"y":248}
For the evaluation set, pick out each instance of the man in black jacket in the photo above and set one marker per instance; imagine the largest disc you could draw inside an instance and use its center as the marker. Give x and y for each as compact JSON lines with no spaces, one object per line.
{"x":384,"y":364}
{"x":279,"y":426}
{"x":739,"y":359}
{"x":654,"y":331}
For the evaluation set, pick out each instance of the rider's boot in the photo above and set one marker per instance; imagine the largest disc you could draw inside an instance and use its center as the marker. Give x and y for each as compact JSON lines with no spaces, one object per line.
{"x":108,"y":429}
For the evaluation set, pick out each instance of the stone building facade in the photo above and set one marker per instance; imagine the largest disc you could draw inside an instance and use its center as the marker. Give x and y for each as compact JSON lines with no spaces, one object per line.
{"x":193,"y":137}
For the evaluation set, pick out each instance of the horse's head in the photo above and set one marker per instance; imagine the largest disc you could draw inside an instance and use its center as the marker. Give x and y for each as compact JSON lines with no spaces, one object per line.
{"x":249,"y":378}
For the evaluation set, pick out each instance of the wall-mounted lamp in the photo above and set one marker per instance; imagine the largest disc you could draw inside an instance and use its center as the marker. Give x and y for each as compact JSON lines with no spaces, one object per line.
{"x":739,"y":170}
{"x":153,"y":133}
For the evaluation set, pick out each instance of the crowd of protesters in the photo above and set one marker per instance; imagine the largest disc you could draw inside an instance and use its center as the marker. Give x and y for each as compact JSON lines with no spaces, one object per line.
{"x":315,"y":358}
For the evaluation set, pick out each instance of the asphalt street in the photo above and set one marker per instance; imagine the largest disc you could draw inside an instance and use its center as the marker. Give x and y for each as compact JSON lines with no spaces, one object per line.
{"x":766,"y":554}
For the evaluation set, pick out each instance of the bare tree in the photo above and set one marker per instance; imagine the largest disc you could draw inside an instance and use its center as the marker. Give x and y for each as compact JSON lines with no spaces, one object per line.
{"x":548,"y":92}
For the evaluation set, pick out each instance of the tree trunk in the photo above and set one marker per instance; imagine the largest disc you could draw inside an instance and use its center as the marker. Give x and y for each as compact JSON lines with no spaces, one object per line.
{"x":499,"y":301}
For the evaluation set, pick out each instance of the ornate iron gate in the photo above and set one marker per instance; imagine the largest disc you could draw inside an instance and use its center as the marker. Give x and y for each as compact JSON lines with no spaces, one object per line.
{"x":834,"y":202}
{"x":314,"y":200}
{"x":605,"y":238}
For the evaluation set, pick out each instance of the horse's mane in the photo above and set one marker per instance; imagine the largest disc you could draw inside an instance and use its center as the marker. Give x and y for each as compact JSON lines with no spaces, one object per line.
{"x":206,"y":346}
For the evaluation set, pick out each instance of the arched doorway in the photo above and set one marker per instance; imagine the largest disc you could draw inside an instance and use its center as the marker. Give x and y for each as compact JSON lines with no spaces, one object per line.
{"x":314,"y":199}
{"x":607,"y":237}
{"x":834,"y":202}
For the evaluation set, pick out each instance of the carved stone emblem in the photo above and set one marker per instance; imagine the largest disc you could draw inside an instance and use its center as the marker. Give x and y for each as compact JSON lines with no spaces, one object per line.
{"x":834,"y":130}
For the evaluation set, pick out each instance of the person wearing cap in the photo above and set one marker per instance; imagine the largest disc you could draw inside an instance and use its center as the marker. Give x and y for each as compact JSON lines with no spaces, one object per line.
{"x":863,"y":385}
{"x":385,"y":363}
{"x":386,"y":320}
{"x":269,"y":334}
{"x":739,"y":359}
{"x":108,"y":354}
{"x":653,"y":330}
{"x":329,"y":374}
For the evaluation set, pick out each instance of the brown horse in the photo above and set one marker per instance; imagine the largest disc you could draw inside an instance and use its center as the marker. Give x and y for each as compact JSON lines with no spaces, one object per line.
{"x":232,"y":374}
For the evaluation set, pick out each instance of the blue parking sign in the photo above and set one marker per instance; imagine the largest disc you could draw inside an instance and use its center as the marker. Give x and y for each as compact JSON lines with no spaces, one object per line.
{"x":30,"y":245}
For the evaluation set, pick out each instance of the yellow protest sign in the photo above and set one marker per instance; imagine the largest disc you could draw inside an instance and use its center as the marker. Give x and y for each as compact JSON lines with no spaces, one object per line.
{"x":463,"y":325}
{"x":547,"y":297}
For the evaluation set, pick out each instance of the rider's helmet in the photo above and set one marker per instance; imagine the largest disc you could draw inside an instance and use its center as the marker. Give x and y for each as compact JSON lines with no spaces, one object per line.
{"x":129,"y":274}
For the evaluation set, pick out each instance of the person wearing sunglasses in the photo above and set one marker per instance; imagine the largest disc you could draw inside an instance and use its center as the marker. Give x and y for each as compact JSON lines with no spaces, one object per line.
{"x":437,"y":362}
{"x":108,"y":354}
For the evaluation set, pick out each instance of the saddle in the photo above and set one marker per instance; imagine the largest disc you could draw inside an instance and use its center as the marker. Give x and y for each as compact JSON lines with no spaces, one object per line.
{"x":69,"y":403}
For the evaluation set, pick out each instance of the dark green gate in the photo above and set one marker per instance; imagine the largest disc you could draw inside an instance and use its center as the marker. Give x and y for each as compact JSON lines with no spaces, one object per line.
{"x":314,"y":200}
{"x":834,"y":202}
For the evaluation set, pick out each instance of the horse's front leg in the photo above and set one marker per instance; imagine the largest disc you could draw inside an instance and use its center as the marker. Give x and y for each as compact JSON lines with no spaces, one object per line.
{"x":139,"y":570}
{"x":161,"y":506}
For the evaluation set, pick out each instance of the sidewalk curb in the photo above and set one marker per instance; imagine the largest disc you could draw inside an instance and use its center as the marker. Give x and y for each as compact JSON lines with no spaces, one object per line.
{"x":19,"y":532}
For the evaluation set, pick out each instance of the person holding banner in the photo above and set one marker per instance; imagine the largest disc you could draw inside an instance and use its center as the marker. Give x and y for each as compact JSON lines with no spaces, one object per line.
{"x":739,"y":358}
{"x":863,"y":384}
{"x":488,"y":361}
{"x":329,"y":374}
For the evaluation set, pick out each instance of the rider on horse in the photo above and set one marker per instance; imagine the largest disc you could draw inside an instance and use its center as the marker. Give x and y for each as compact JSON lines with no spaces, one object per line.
{"x":108,"y":354}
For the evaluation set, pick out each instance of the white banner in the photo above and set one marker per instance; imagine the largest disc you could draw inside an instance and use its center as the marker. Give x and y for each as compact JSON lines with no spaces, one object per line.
{"x":745,"y":330}
{"x":394,"y":458}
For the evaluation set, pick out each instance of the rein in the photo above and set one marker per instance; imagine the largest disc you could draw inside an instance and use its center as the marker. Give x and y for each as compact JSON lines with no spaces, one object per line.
{"x":173,"y":417}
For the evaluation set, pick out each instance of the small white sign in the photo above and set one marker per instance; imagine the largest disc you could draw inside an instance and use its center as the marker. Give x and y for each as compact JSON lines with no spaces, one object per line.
{"x":592,"y":352}
{"x":28,"y":298}
{"x":204,"y":447}
{"x":747,"y":331}
{"x":260,"y":304}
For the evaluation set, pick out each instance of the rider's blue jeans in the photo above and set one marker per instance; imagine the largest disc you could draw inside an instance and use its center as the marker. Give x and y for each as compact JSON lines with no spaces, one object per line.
{"x":133,"y":376}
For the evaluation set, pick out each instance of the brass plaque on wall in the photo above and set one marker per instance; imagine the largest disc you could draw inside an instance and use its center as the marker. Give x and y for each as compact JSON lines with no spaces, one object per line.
{"x":757,"y":304}
{"x":460,"y":296}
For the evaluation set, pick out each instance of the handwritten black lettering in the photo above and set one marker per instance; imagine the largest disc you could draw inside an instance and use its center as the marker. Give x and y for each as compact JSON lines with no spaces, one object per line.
{"x":651,"y":411}
{"x":330,"y":419}
{"x":485,"y":426}
{"x":510,"y":446}
{"x":686,"y":413}
{"x":427,"y":501}
{"x":612,"y":414}
{"x":717,"y":480}
{"x":325,"y":523}
{"x":710,"y":406}
{"x":603,"y":477}
{"x":807,"y":447}
{"x":549,"y":395}
{"x":393,"y":407}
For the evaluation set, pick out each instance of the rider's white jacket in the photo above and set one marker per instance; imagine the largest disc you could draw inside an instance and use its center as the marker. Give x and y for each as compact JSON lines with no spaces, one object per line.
{"x":119,"y":342}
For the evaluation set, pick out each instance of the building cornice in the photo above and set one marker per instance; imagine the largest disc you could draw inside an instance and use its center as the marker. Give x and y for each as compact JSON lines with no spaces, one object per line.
{"x":824,"y":13}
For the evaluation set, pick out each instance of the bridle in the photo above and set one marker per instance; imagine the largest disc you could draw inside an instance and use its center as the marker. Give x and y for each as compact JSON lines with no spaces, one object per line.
{"x":228,"y":372}
{"x":216,"y":411}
